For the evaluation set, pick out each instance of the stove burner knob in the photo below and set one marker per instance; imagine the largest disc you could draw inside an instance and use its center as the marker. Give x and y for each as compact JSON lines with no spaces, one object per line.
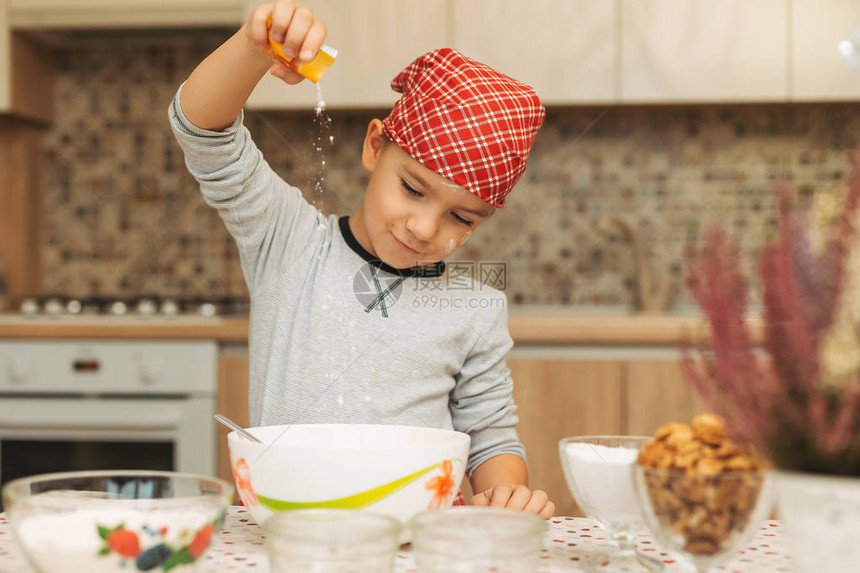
{"x":19,"y":371}
{"x":118,"y":308}
{"x":207,"y":309}
{"x":74,"y":307}
{"x":30,"y":307}
{"x":53,"y":307}
{"x":150,"y":374}
{"x":170,"y":308}
{"x":146,"y":308}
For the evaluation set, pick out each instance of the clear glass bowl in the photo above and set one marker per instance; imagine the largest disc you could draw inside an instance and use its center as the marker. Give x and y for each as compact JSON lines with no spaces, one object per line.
{"x":477,"y":539}
{"x":599,"y":473}
{"x":115,"y":521}
{"x":703,"y":519}
{"x":331,"y":541}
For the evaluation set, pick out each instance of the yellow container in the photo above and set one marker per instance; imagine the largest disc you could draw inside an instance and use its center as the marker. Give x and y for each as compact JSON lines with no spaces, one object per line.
{"x":312,"y":70}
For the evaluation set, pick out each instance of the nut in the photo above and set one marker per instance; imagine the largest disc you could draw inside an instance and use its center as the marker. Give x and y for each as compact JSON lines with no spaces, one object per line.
{"x":717,"y":490}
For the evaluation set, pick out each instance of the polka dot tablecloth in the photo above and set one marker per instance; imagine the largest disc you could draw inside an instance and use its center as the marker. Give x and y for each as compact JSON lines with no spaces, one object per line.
{"x":568,"y":541}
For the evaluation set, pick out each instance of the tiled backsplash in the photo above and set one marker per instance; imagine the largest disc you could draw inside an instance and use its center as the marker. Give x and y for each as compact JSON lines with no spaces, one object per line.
{"x":123,"y":217}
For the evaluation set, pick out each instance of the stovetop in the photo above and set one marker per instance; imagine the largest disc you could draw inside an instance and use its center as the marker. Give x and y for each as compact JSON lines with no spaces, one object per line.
{"x":55,"y":306}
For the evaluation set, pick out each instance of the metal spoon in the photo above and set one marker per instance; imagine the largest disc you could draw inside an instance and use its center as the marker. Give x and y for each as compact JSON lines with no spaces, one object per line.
{"x":242,"y":431}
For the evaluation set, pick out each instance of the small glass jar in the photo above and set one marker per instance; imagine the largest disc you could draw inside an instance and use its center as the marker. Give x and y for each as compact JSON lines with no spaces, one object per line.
{"x":331,"y":541}
{"x":477,"y":539}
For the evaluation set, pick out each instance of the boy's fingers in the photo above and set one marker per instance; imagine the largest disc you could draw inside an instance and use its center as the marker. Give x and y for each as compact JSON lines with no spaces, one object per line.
{"x":285,"y":74}
{"x":257,"y":29}
{"x":299,"y":27}
{"x":313,"y":40}
{"x":519,"y":498}
{"x":548,"y":510}
{"x":480,"y":499}
{"x":282,"y":16}
{"x":500,"y":495}
{"x":537,"y":501}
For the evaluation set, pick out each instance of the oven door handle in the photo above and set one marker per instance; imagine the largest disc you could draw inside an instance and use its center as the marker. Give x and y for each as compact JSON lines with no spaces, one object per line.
{"x":101,"y":414}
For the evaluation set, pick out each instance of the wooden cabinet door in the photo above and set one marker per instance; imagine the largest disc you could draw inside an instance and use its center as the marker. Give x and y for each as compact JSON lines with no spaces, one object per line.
{"x":86,"y":14}
{"x":704,"y":51}
{"x":233,"y":403}
{"x":825,"y":50}
{"x":561,"y":397}
{"x":375,"y":40}
{"x":5,"y":58}
{"x":655,"y":393}
{"x":565,"y":49}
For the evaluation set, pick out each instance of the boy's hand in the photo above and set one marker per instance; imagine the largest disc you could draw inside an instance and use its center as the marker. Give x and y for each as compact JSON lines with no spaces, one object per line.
{"x":295,"y":26}
{"x":516,"y":497}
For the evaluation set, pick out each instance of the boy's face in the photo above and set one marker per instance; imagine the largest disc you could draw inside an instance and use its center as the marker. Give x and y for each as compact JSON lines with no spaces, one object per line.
{"x":411,"y":215}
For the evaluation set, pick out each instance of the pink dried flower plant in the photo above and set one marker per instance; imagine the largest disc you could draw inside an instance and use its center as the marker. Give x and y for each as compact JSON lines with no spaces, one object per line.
{"x":776,"y":398}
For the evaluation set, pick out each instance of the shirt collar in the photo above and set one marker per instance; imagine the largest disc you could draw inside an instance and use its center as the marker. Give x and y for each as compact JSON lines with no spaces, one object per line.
{"x":430,"y":271}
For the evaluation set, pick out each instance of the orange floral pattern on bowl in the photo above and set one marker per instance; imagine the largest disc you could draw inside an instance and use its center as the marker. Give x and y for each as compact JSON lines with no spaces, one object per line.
{"x":242,"y":477}
{"x":442,"y":486}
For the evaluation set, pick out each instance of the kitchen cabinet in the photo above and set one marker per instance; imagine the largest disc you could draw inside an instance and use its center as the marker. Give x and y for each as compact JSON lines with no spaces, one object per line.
{"x":825,"y":50}
{"x":20,"y":154}
{"x":656,"y":392}
{"x":570,"y":391}
{"x":559,"y":397}
{"x":26,"y":73}
{"x":232,"y":402}
{"x":565,"y":49}
{"x":87,"y":14}
{"x":26,"y":101}
{"x":375,"y":40}
{"x":682,"y":51}
{"x":5,"y":58}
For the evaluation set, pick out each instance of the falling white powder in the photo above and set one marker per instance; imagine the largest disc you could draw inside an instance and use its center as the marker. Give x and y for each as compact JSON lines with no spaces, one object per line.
{"x":603,"y":483}
{"x":322,"y":137}
{"x":320,"y":101}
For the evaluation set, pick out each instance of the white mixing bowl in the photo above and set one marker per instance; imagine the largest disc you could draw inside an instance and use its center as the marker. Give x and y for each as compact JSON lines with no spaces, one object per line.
{"x":395,"y":470}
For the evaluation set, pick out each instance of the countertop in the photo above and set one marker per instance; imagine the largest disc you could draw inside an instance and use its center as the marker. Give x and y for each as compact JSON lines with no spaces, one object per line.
{"x":567,"y":542}
{"x":527,"y":325}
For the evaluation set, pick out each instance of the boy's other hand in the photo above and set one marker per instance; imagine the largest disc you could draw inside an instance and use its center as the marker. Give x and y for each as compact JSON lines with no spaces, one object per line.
{"x":516,"y":497}
{"x":295,"y":26}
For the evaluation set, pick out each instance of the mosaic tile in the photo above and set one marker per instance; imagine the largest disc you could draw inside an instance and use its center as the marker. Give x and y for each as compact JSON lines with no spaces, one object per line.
{"x":122,"y":217}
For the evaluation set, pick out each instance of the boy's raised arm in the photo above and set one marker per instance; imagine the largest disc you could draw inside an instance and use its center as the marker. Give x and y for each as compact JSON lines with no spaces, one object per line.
{"x":217,"y":89}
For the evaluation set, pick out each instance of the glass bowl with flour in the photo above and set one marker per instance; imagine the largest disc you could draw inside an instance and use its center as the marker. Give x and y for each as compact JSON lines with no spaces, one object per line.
{"x":115,"y":521}
{"x":599,"y":473}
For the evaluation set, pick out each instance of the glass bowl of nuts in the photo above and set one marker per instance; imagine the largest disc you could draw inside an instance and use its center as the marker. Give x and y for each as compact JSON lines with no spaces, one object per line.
{"x":702,"y":494}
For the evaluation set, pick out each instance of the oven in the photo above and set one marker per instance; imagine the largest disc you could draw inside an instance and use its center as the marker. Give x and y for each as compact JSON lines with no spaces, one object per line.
{"x":96,"y":404}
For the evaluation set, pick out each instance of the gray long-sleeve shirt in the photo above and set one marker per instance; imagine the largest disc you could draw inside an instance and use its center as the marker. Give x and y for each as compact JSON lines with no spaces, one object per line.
{"x":327,"y":343}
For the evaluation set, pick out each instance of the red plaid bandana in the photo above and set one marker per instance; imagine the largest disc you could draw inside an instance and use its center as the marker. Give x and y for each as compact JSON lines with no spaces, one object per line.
{"x":465,"y":121}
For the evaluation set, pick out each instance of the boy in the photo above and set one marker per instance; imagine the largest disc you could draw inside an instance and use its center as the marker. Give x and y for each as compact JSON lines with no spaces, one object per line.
{"x":342,"y":326}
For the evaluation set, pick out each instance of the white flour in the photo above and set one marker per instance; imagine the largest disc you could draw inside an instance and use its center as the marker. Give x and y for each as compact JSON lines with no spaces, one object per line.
{"x":603,"y":482}
{"x":70,"y":541}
